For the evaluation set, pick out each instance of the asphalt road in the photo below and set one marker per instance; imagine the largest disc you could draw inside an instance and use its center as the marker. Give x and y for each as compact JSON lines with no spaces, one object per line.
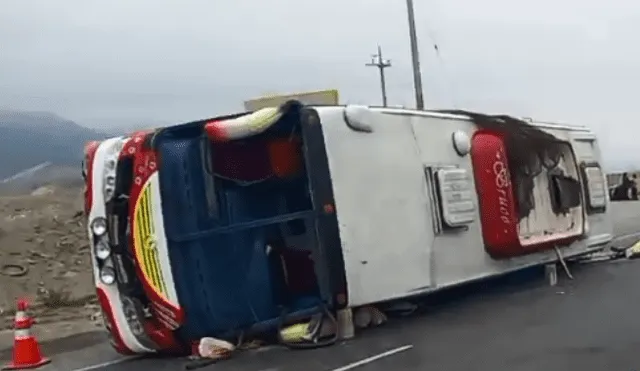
{"x":626,"y":217}
{"x":588,"y":324}
{"x":517,"y":323}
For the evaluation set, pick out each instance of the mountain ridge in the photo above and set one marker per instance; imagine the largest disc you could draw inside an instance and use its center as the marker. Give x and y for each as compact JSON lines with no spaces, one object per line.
{"x":30,"y":138}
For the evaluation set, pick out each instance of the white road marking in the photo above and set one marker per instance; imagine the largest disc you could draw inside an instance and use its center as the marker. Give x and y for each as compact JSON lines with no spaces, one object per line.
{"x":373,"y":358}
{"x":106,"y":364}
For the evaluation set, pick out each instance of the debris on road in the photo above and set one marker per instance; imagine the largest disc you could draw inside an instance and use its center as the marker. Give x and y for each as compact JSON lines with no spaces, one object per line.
{"x":309,"y":332}
{"x":14,"y":270}
{"x":368,"y":316}
{"x":215,"y":348}
{"x":209,"y":351}
{"x":611,"y":253}
{"x":633,"y":251}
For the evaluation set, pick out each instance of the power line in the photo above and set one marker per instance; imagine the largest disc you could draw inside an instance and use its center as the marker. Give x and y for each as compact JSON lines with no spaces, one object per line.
{"x":378,"y":61}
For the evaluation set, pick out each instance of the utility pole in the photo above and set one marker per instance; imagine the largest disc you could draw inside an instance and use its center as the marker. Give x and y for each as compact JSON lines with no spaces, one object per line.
{"x":415,"y":57}
{"x":381,"y":64}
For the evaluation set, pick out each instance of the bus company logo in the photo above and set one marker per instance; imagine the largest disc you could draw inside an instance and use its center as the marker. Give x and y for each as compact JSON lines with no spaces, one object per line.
{"x":150,"y":244}
{"x":503,"y":183}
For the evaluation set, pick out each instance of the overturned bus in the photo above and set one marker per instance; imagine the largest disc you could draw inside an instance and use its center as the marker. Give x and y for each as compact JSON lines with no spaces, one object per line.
{"x":244,"y":222}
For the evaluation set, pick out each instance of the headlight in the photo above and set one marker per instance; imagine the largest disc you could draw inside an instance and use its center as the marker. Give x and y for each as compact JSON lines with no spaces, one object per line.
{"x":99,"y":226}
{"x":102,"y":250}
{"x":107,"y":276}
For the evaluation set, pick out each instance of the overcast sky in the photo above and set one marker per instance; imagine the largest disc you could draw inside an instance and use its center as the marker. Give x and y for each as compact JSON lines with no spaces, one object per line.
{"x":110,"y":62}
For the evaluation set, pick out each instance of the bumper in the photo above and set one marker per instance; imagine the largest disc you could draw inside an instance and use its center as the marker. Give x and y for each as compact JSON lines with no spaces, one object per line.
{"x":123,"y":337}
{"x":134,"y":326}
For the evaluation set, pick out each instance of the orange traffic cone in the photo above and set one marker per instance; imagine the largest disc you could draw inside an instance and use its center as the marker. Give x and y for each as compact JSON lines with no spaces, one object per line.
{"x":26,"y":351}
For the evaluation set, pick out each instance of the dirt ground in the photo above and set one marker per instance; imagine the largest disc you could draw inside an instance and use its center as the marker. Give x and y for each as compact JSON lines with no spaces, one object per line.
{"x":44,"y":257}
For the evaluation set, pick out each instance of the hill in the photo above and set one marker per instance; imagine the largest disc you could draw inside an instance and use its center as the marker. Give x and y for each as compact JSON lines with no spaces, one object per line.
{"x":30,"y":138}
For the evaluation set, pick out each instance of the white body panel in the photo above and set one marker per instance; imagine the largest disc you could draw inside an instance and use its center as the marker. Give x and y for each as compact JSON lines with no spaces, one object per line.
{"x":389,"y":244}
{"x":380,"y":194}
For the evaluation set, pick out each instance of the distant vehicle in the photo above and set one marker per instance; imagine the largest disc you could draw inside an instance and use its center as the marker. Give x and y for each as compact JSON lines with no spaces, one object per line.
{"x":627,"y":190}
{"x":213,"y":227}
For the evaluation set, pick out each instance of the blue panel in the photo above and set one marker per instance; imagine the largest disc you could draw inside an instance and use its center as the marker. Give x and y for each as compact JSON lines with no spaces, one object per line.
{"x":223,"y":281}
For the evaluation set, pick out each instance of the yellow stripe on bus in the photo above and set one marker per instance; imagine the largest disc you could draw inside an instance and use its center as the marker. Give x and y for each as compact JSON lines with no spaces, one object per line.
{"x":145,"y":242}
